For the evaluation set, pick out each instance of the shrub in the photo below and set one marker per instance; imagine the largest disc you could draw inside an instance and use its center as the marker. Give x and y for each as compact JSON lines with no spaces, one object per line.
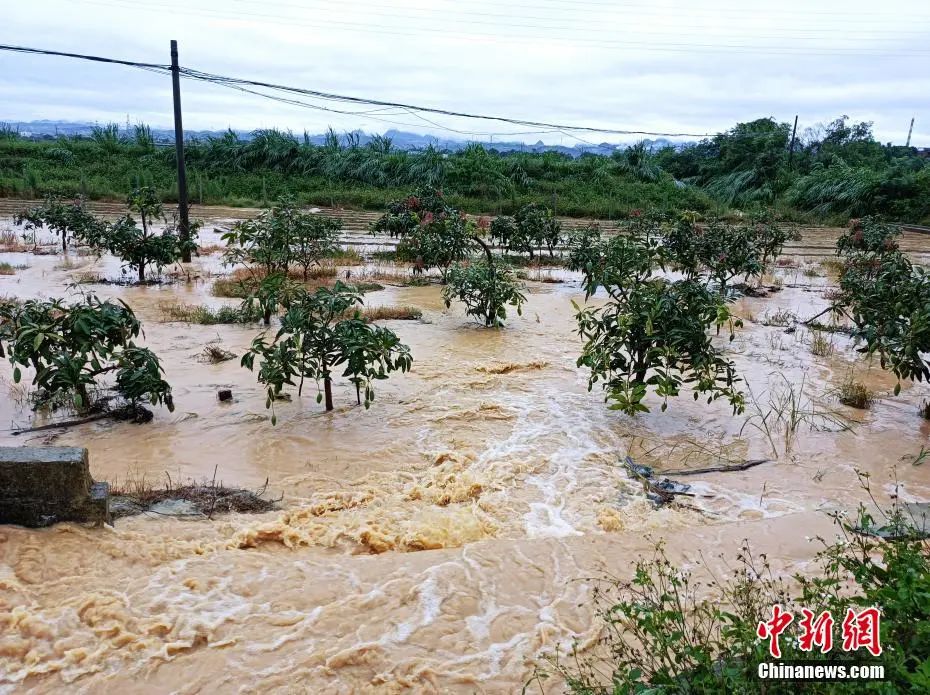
{"x":72,"y":346}
{"x":653,"y":333}
{"x":433,"y":233}
{"x":662,"y":632}
{"x":821,"y":346}
{"x":64,"y":219}
{"x":317,"y":336}
{"x":139,"y":247}
{"x":486,"y":288}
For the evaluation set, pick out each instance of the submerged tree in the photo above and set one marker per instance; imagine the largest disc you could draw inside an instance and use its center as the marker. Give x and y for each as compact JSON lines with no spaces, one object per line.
{"x":886,"y":298}
{"x":486,"y":288}
{"x":65,"y":219}
{"x":320,"y":333}
{"x":432,"y":233}
{"x":653,"y":333}
{"x":141,"y":247}
{"x":531,"y":229}
{"x":281,"y":237}
{"x":72,"y":347}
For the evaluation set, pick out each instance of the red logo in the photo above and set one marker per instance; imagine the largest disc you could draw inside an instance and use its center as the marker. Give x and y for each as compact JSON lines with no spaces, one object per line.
{"x":861,"y":630}
{"x":771,"y":629}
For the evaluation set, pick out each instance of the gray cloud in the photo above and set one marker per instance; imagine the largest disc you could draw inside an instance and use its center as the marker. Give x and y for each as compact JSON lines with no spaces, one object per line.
{"x":668,"y":65}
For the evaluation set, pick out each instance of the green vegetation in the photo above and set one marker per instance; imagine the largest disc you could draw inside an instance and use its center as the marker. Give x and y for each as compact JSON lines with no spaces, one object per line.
{"x":886,"y":298}
{"x":652,"y":334}
{"x":63,"y":218}
{"x":269,"y":246}
{"x":204,"y":315}
{"x":72,"y":346}
{"x":855,"y":394}
{"x":432,"y":233}
{"x":486,"y":288}
{"x":839,"y":170}
{"x":318,"y":334}
{"x":667,"y":632}
{"x":137,"y":247}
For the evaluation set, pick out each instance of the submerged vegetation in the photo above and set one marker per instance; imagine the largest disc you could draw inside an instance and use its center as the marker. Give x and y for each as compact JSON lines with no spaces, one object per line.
{"x":836,"y":170}
{"x":71,"y":348}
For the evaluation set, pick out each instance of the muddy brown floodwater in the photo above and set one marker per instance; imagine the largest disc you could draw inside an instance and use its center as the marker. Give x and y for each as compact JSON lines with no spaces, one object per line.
{"x":442,"y":541}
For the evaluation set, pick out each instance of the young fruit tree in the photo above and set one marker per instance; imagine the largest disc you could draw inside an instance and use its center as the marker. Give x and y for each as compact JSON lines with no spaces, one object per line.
{"x":886,"y":298}
{"x":432,"y":233}
{"x":653,"y":333}
{"x":531,"y":229}
{"x":486,"y":288}
{"x":320,"y":333}
{"x":72,"y":347}
{"x":65,"y":219}
{"x":715,"y":251}
{"x":140,"y":247}
{"x":281,"y":237}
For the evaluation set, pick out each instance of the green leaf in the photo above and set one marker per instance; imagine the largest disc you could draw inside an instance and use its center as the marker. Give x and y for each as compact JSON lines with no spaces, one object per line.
{"x":17,"y":375}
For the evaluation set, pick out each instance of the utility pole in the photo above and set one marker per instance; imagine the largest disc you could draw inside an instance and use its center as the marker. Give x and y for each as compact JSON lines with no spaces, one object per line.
{"x":909,"y":132}
{"x":794,"y":133}
{"x":184,"y":227}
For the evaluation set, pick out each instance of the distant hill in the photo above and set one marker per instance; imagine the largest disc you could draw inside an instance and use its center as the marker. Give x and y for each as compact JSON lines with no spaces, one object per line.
{"x":47,"y":129}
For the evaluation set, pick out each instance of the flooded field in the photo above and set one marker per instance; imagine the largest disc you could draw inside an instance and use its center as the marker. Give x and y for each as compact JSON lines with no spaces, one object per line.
{"x":445,"y":539}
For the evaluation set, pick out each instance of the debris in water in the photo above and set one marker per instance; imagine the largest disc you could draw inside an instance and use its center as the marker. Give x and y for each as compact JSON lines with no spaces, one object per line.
{"x":659,"y":492}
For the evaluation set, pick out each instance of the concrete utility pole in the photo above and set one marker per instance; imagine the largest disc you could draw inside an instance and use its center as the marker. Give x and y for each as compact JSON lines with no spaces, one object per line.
{"x":184,"y":227}
{"x":910,"y":131}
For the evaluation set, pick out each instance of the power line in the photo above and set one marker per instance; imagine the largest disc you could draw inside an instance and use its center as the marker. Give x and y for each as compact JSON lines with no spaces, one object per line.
{"x":97,"y":59}
{"x":452,"y":13}
{"x":244,"y":84}
{"x":433,"y":32}
{"x":221,"y":79}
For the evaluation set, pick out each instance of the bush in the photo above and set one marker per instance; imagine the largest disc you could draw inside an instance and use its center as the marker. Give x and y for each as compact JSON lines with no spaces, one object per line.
{"x":663,"y":633}
{"x":320,"y":333}
{"x":72,"y":346}
{"x":486,"y":288}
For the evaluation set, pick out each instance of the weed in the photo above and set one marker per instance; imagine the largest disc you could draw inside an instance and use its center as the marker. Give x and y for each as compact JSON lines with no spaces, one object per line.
{"x":811,"y":271}
{"x":820,"y":345}
{"x":391,"y":313}
{"x":855,"y":394}
{"x":191,"y":313}
{"x":138,"y":494}
{"x":10,"y":269}
{"x":10,"y":241}
{"x":214,"y":354}
{"x":781,"y":318}
{"x":346,"y":256}
{"x":88,"y":278}
{"x":664,"y":631}
{"x":787,"y":409}
{"x":834,"y":266}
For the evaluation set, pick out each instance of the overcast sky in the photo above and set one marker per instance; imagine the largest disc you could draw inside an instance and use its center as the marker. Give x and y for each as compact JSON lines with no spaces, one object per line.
{"x":691,"y":66}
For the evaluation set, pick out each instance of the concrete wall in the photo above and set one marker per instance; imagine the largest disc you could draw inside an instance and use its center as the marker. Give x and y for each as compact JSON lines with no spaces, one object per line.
{"x":40,"y":486}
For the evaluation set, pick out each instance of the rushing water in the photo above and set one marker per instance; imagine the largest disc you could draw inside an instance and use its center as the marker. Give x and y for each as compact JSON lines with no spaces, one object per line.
{"x":442,"y":540}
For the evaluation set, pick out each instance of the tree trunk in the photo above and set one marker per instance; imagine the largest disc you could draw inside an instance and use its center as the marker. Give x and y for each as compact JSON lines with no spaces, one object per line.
{"x":267,"y":317}
{"x":64,"y":241}
{"x":141,"y":273}
{"x":328,"y":392}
